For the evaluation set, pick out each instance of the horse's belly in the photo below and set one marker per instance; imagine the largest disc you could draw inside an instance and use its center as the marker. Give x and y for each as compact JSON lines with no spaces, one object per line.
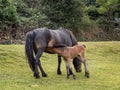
{"x":49,"y":50}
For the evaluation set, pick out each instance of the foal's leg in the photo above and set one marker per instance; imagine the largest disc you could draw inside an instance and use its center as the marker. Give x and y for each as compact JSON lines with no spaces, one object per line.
{"x":59,"y":63}
{"x":86,"y":67}
{"x":69,"y":69}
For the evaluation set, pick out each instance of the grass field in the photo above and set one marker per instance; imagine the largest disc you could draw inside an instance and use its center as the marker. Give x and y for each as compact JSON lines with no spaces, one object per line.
{"x":104,"y":66}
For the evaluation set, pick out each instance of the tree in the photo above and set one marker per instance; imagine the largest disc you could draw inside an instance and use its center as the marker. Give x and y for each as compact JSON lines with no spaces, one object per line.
{"x":9,"y":18}
{"x":63,"y":13}
{"x":8,"y":12}
{"x":107,"y":8}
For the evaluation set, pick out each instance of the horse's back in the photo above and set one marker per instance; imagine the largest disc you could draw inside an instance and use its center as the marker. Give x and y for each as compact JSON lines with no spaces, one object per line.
{"x":61,"y":37}
{"x":50,"y":37}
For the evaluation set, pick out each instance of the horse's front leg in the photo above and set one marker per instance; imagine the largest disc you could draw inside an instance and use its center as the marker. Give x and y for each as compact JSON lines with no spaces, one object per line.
{"x":59,"y":63}
{"x":38,"y":62}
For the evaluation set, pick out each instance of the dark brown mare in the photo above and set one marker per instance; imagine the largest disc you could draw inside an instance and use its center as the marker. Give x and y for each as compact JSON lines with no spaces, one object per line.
{"x":68,"y":53}
{"x":37,"y":42}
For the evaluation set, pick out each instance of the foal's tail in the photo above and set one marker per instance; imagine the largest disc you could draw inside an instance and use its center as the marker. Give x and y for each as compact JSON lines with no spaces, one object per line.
{"x":29,"y":49}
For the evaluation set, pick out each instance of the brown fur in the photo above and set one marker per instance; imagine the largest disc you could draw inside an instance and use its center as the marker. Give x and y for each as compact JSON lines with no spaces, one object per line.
{"x":68,"y":53}
{"x":51,"y":42}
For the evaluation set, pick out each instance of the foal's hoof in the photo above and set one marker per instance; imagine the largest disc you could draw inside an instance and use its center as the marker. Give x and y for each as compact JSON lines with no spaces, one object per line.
{"x":87,"y":74}
{"x":78,"y":71}
{"x":67,"y":77}
{"x":74,"y":77}
{"x":36,"y":75}
{"x":44,"y":75}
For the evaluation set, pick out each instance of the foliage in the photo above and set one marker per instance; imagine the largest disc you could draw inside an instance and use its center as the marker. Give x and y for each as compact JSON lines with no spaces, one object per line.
{"x":29,"y":12}
{"x":77,"y":15}
{"x":107,"y":8}
{"x":8,"y":13}
{"x":107,"y":5}
{"x":66,"y":14}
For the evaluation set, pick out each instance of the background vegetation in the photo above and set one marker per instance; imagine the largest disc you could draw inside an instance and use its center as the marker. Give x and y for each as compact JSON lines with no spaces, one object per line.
{"x":103,"y":60}
{"x":88,"y":19}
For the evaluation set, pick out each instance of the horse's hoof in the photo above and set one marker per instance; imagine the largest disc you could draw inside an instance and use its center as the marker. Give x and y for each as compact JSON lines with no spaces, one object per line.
{"x":87,"y":74}
{"x":59,"y":72}
{"x":36,"y":75}
{"x":78,"y":71}
{"x":67,"y":77}
{"x":44,"y":75}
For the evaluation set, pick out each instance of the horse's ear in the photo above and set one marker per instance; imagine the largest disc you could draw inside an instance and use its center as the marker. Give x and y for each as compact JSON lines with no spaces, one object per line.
{"x":84,"y":46}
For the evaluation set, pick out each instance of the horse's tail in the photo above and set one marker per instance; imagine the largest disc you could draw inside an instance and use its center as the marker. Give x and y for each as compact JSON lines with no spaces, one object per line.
{"x":29,"y":49}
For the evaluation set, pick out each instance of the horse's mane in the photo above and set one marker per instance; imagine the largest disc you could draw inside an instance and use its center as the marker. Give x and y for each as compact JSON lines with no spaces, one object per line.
{"x":74,"y":40}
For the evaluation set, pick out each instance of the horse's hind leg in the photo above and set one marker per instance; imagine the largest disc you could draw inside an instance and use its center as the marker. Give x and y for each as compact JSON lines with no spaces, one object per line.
{"x":59,"y":63}
{"x":36,"y":73}
{"x":38,"y":62}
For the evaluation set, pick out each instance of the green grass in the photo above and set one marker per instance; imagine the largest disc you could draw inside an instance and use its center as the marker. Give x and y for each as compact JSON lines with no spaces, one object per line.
{"x":104,"y":66}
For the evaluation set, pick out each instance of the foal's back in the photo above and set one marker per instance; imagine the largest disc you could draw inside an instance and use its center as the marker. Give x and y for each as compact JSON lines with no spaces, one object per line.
{"x":73,"y":51}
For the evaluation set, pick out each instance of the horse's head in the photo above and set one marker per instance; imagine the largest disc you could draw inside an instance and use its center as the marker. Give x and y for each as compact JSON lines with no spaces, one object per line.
{"x":77,"y":64}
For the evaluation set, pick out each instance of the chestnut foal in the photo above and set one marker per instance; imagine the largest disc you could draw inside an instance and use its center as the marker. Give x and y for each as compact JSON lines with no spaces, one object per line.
{"x":68,"y":53}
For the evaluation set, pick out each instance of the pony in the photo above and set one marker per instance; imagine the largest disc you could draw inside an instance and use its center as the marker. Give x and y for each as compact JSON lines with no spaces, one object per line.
{"x":68,"y":53}
{"x":37,"y":42}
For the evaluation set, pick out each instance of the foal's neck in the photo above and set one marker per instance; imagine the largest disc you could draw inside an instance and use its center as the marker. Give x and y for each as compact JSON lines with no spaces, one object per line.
{"x":59,"y":50}
{"x":69,"y":51}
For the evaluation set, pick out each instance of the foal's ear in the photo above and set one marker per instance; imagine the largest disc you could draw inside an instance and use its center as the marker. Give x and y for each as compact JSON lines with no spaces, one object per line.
{"x":84,"y":46}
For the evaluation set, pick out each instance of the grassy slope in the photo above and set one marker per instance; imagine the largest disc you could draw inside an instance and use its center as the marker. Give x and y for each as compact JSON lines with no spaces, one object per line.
{"x":104,"y":66}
